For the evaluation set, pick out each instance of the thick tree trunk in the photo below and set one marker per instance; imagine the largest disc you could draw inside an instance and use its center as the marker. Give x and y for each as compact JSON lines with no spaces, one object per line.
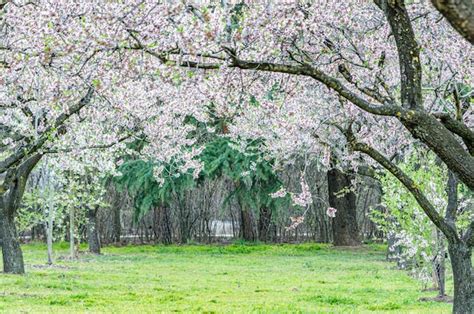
{"x":247,"y":230}
{"x":11,"y":193}
{"x":345,"y":229}
{"x":12,"y":255}
{"x":264,"y":224}
{"x":463,"y":275}
{"x":92,"y":231}
{"x":430,"y":131}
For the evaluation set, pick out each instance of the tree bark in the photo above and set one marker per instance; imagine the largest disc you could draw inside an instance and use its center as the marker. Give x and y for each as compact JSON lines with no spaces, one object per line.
{"x":49,"y":236}
{"x":117,"y":225}
{"x":11,"y":193}
{"x":72,"y":245}
{"x":460,"y":14}
{"x":12,"y":254}
{"x":93,"y":231}
{"x":440,"y":265}
{"x":460,"y":254}
{"x":345,"y":229}
{"x":163,"y":225}
{"x":247,"y":230}
{"x":264,"y":224}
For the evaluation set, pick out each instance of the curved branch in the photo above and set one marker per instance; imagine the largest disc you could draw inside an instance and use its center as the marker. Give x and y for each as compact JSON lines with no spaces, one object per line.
{"x":448,"y":230}
{"x":387,"y":109}
{"x":460,"y":14}
{"x":322,"y":77}
{"x":458,"y":128}
{"x":32,"y":148}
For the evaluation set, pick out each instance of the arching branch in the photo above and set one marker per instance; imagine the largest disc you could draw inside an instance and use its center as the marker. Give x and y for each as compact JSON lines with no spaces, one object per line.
{"x":460,"y":14}
{"x":448,"y":230}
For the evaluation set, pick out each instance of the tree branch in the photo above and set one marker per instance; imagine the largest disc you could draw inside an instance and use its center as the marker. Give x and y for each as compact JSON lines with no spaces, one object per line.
{"x":408,"y":52}
{"x":469,"y":235}
{"x":91,"y":147}
{"x":315,"y":73}
{"x":458,"y":128}
{"x":460,"y":14}
{"x":32,"y":148}
{"x":411,"y":186}
{"x":15,"y":188}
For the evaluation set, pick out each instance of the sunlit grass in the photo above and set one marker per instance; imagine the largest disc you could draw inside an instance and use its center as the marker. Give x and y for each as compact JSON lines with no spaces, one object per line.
{"x":237,"y":278}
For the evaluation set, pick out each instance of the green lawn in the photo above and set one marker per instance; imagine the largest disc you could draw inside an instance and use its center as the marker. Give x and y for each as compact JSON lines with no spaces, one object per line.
{"x":308,"y":278}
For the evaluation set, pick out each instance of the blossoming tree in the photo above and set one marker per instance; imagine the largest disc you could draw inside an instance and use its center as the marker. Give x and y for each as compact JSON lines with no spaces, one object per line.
{"x":355,"y":67}
{"x":351,"y":79}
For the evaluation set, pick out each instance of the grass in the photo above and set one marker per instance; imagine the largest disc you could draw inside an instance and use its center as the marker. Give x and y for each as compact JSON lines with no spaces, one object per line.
{"x":307,"y":278}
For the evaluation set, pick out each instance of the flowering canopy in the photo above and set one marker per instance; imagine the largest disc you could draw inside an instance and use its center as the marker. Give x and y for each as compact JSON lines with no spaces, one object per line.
{"x":144,"y":67}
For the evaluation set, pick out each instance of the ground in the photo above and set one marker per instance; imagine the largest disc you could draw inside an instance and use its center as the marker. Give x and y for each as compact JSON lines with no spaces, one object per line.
{"x":306,"y":278}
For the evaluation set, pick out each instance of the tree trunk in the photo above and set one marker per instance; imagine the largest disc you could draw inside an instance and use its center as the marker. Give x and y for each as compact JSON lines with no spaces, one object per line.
{"x":72,"y":245}
{"x":345,"y":229}
{"x":9,"y":203}
{"x":460,"y":254}
{"x":49,"y":237}
{"x":264,"y":223}
{"x":12,"y":255}
{"x":184,"y":224}
{"x":117,"y":225}
{"x":247,"y":231}
{"x":93,"y":231}
{"x":163,"y":225}
{"x":439,"y":264}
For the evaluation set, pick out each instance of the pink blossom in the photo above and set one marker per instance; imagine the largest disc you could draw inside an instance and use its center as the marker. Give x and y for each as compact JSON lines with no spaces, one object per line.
{"x":280,"y":193}
{"x":331,"y":212}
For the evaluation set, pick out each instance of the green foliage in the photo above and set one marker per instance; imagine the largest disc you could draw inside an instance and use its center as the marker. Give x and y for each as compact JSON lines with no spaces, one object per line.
{"x":138,"y":178}
{"x":406,"y":220}
{"x":250,"y":170}
{"x":252,"y":174}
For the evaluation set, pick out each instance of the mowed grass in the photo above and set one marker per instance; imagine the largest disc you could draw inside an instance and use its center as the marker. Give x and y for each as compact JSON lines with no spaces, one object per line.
{"x":306,"y":278}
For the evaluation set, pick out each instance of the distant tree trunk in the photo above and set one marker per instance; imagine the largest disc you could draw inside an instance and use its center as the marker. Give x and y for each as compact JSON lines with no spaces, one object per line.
{"x":247,"y":230}
{"x":264,"y":223}
{"x":184,"y":226}
{"x":49,"y":235}
{"x":345,"y":229}
{"x":72,"y":244}
{"x":439,"y":265}
{"x":163,"y":225}
{"x":93,"y":231}
{"x":117,"y":225}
